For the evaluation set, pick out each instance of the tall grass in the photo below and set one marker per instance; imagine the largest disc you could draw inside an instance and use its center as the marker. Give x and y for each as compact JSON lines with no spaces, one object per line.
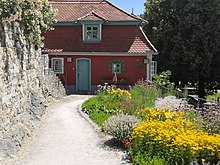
{"x":143,"y":95}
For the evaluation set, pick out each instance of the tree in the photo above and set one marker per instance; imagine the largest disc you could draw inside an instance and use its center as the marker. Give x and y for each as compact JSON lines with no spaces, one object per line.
{"x":187,"y":35}
{"x":36,"y":16}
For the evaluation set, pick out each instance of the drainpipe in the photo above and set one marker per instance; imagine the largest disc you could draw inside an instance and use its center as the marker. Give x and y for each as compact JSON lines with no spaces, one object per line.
{"x":149,"y":62}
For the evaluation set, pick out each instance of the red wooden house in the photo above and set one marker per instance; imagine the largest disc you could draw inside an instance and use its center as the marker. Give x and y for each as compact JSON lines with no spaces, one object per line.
{"x":95,"y":40}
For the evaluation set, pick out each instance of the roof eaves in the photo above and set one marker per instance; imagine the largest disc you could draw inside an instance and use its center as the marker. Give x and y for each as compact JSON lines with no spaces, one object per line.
{"x":152,"y":46}
{"x":134,"y":17}
{"x":67,"y":2}
{"x":99,"y":53}
{"x":139,"y":18}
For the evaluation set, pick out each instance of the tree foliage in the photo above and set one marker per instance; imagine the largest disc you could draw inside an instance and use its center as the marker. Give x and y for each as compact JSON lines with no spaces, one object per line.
{"x":163,"y":79}
{"x":35,"y":15}
{"x":187,"y":35}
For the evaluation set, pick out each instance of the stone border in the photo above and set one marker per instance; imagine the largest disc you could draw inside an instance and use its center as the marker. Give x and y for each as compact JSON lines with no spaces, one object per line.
{"x":87,"y":118}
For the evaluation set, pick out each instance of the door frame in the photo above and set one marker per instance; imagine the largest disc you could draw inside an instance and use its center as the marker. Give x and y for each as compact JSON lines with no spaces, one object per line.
{"x":89,"y":78}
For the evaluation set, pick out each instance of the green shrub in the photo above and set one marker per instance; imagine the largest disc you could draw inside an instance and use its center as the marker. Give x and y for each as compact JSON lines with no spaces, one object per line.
{"x":145,"y":159}
{"x":163,"y":79}
{"x":164,"y":84}
{"x":213,"y":97}
{"x":120,"y":126}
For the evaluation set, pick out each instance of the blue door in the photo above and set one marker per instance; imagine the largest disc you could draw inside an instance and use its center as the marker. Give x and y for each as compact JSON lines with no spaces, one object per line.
{"x":83,"y":75}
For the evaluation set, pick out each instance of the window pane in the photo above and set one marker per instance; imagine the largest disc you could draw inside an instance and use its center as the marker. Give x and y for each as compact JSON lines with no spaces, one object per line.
{"x":57,"y":65}
{"x":88,"y":34}
{"x":153,"y":68}
{"x":95,"y":28}
{"x":89,"y":28}
{"x":95,"y":34}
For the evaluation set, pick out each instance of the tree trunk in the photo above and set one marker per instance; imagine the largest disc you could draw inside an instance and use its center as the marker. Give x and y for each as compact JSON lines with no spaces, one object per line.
{"x":202,"y":92}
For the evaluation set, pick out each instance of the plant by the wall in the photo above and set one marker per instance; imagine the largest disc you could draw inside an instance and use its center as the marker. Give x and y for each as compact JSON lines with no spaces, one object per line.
{"x":35,"y":15}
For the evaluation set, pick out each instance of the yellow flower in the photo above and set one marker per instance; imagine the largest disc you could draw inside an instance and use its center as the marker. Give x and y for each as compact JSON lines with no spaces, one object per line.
{"x":119,"y":92}
{"x":174,"y":130}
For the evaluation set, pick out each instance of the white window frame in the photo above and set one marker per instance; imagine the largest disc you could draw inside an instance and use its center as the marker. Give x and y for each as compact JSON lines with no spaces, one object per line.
{"x":153,"y":68}
{"x":99,"y":27}
{"x":62,"y":65}
{"x":116,"y":69}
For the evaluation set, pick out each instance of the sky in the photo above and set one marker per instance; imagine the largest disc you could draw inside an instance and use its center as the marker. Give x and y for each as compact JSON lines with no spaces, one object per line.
{"x":127,"y":5}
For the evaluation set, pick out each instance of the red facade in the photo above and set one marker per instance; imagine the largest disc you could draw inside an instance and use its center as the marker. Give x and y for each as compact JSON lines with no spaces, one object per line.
{"x":100,"y":70}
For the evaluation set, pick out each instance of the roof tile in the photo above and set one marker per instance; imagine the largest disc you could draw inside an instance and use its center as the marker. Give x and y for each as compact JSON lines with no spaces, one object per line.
{"x":103,"y":9}
{"x":91,"y":16}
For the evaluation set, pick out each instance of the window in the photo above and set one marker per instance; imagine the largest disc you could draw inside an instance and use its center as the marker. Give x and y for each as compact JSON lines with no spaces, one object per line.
{"x":92,"y":33}
{"x":116,"y":68}
{"x":153,"y":68}
{"x":69,"y":59}
{"x":57,"y":65}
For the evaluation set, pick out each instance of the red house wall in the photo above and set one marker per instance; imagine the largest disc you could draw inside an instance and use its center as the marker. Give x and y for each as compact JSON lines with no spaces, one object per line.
{"x":135,"y":69}
{"x":114,"y":38}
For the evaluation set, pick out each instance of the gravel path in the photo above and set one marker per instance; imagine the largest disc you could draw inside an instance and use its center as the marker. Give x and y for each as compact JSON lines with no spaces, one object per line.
{"x":67,"y":138}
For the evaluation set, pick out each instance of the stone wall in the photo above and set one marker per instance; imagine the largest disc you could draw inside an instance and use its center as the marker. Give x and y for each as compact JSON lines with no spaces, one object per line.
{"x":25,"y":87}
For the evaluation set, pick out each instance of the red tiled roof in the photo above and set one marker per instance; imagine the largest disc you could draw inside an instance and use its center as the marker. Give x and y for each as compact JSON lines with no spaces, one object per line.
{"x":71,"y":11}
{"x":138,"y":46}
{"x":92,"y":16}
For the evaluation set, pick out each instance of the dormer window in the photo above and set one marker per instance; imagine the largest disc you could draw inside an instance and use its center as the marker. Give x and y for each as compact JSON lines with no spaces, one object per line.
{"x":92,"y":33}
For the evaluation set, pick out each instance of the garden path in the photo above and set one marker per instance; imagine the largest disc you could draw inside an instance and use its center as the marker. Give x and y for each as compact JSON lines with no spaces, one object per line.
{"x":66,"y":138}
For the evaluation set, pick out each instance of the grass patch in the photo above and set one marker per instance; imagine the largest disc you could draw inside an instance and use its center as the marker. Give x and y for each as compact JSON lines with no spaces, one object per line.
{"x":143,"y":95}
{"x":99,"y":117}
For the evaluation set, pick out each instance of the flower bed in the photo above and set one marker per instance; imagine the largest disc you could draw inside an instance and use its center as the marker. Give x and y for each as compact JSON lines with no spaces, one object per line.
{"x":174,"y":136}
{"x":177,"y":135}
